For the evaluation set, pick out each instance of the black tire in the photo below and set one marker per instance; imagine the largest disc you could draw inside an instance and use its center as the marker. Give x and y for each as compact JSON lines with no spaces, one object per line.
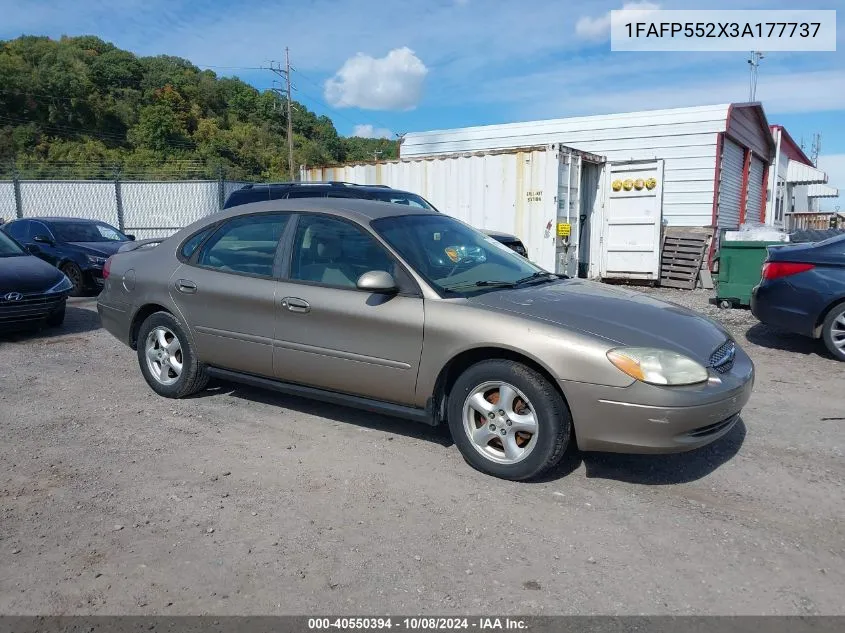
{"x":57,"y":317}
{"x":551,"y":412}
{"x":193,"y":376}
{"x":831,"y":327}
{"x":74,"y":273}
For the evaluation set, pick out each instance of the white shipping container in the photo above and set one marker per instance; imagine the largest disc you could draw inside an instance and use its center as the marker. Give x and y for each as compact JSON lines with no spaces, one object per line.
{"x":557,"y":200}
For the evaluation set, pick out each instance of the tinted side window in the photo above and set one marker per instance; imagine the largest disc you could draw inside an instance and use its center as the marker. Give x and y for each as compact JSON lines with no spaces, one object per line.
{"x":335,"y":253}
{"x":19,"y":230}
{"x":245,"y":245}
{"x":307,"y":192}
{"x":39,"y":228}
{"x":344,"y":193}
{"x":193,"y":242}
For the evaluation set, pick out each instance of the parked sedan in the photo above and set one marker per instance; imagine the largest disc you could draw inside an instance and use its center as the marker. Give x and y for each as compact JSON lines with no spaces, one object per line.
{"x":413,"y":313}
{"x":77,"y":247}
{"x":803,"y":291}
{"x":32,"y":292}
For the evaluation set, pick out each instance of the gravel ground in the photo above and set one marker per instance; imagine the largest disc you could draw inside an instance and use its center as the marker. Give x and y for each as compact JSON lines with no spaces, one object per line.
{"x":116,"y":501}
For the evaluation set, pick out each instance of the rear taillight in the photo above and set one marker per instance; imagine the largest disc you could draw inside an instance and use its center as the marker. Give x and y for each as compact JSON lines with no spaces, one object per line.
{"x":775,"y":270}
{"x":107,"y":269}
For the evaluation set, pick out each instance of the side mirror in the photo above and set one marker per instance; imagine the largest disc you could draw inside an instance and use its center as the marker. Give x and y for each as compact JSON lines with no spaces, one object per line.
{"x":130,"y":237}
{"x":377,"y":281}
{"x":42,"y":239}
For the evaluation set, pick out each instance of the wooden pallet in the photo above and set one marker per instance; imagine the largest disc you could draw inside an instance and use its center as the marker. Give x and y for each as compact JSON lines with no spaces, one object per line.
{"x":681,"y":257}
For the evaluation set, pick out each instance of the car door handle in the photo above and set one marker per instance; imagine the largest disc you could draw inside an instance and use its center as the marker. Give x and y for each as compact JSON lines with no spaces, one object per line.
{"x":296,"y":305}
{"x":186,"y":285}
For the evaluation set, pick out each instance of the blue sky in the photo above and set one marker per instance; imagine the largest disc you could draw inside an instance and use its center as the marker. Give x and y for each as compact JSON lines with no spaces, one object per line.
{"x":405,"y":65}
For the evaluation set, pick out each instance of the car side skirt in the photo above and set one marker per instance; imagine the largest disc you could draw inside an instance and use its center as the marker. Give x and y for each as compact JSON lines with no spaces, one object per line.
{"x":367,"y":404}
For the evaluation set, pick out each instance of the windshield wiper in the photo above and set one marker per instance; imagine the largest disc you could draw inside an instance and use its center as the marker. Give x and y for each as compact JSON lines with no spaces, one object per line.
{"x":540,"y":275}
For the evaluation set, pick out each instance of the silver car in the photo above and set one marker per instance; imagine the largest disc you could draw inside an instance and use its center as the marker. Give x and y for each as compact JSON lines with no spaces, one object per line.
{"x":415,"y":314}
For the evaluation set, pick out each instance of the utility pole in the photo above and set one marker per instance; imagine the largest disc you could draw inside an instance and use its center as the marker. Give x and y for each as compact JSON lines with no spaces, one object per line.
{"x":754,"y":63}
{"x":376,"y":154}
{"x":276,"y":67}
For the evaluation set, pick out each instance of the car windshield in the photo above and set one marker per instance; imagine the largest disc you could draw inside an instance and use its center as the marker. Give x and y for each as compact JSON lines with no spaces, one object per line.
{"x":86,"y":232}
{"x":456,"y":259}
{"x":9,"y":247}
{"x":402,"y":197}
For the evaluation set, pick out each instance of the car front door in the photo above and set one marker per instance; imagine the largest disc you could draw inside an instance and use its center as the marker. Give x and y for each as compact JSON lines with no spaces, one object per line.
{"x":334,"y":336}
{"x":226,"y":290}
{"x":42,"y":242}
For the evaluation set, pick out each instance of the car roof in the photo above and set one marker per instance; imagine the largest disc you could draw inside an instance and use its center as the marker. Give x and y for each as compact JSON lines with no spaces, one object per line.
{"x":331,"y":184}
{"x":356,"y":209}
{"x":57,"y":219}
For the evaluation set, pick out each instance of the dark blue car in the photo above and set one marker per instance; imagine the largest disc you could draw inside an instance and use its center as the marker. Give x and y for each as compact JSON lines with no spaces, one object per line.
{"x":803,"y":291}
{"x":77,"y":247}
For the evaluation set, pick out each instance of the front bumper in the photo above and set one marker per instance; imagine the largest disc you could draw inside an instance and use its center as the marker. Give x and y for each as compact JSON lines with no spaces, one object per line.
{"x":651,"y":419}
{"x":31,"y":310}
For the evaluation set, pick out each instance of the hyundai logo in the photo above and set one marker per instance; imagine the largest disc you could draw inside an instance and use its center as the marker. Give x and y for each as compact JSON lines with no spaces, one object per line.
{"x":13,"y":296}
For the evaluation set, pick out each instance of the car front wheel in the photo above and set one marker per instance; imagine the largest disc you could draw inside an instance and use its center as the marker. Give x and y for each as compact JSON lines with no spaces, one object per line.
{"x":833,"y":331}
{"x":508,"y":420}
{"x":167,"y":357}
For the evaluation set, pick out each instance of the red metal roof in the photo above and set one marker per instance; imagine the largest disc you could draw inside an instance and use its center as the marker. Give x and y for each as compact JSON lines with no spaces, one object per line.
{"x":790,"y":147}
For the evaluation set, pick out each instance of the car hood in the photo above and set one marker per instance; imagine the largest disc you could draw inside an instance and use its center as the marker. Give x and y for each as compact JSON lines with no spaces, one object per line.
{"x":618,"y":315}
{"x":102,"y":249}
{"x":26,"y":274}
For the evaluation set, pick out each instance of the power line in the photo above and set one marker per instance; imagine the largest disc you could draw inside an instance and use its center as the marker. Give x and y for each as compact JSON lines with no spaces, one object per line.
{"x":285,"y":73}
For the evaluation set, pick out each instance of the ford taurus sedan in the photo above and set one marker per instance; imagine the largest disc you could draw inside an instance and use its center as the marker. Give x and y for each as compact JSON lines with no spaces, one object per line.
{"x":412,"y":313}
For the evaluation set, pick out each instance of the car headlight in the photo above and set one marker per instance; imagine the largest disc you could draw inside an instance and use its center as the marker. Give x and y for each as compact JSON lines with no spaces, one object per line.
{"x":63,"y":286}
{"x":657,"y":366}
{"x":95,"y":260}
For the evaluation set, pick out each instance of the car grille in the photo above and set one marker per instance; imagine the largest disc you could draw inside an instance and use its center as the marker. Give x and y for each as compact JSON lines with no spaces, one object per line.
{"x":32,"y":307}
{"x":712,"y":429}
{"x":722,"y":360}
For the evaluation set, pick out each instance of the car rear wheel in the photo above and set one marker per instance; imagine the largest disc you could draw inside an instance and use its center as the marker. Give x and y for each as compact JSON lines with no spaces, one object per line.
{"x":833,"y":331}
{"x":167,"y":357}
{"x":74,"y":273}
{"x":508,"y":420}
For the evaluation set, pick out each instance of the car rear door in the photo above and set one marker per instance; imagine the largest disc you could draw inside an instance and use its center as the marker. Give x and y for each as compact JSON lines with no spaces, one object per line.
{"x":226,"y":291}
{"x":334,"y":336}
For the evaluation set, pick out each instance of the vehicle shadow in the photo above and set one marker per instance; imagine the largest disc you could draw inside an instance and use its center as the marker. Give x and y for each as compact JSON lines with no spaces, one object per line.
{"x":77,"y":321}
{"x":337,"y":413}
{"x":765,"y":336}
{"x":662,"y":470}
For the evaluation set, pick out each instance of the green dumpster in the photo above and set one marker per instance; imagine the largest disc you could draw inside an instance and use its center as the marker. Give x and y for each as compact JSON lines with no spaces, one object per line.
{"x":740,"y":264}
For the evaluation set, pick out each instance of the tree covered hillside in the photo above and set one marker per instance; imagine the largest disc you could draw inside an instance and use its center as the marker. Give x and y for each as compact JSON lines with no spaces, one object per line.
{"x":80,"y":107}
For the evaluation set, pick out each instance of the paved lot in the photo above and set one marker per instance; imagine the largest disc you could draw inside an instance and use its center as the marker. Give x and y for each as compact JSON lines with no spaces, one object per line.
{"x":113,"y":500}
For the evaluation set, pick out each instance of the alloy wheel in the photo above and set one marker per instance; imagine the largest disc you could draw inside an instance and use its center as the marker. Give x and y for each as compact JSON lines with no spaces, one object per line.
{"x":500,"y":422}
{"x":163,"y":352}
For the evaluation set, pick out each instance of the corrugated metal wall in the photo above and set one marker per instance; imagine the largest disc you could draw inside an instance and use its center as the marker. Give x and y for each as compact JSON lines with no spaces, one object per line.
{"x":754,"y":204}
{"x":685,"y":138}
{"x":730,"y":185}
{"x":509,"y":191}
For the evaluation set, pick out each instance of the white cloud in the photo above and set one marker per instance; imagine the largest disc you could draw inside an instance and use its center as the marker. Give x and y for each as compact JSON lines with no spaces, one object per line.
{"x":392,"y":82}
{"x":366,"y":130}
{"x":598,"y":28}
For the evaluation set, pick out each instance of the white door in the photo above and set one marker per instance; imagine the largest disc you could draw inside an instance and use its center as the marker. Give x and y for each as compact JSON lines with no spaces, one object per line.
{"x":630,"y":241}
{"x":754,"y":199}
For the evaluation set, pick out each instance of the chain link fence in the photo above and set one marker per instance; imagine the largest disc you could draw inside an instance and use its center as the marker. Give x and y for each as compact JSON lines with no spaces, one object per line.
{"x":143,"y":208}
